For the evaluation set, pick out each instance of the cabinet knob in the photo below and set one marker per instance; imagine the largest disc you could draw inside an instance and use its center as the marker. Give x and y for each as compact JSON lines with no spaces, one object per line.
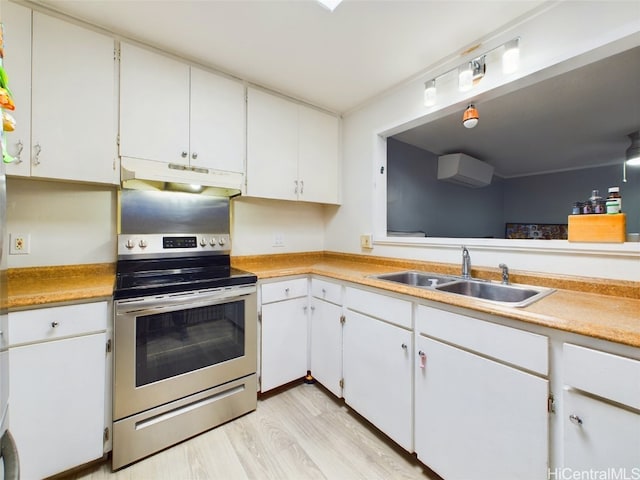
{"x":404,"y":346}
{"x":286,"y":290}
{"x":184,"y":154}
{"x":423,"y":358}
{"x":54,"y":324}
{"x":575,"y":419}
{"x":194,"y":155}
{"x":36,"y":157}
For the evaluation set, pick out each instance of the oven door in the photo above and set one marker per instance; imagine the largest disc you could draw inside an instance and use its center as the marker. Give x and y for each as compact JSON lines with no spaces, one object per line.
{"x":171,"y":346}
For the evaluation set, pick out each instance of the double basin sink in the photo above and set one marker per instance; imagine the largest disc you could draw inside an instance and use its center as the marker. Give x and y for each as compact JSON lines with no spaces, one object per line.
{"x":498,"y":293}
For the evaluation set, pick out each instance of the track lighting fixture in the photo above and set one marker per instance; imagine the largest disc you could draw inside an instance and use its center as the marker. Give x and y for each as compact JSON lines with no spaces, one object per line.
{"x":470,"y":73}
{"x":430,"y":93}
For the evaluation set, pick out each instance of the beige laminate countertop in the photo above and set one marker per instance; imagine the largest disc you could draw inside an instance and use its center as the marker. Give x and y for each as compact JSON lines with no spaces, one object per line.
{"x":572,"y":307}
{"x":578,"y":305}
{"x":40,"y":286}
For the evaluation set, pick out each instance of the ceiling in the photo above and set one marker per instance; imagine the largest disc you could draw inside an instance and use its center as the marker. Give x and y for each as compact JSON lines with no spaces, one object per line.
{"x":335,"y":60}
{"x":571,"y":121}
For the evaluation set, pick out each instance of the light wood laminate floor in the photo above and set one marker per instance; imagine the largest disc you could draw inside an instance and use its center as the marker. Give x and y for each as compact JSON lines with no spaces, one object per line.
{"x":300,"y":433}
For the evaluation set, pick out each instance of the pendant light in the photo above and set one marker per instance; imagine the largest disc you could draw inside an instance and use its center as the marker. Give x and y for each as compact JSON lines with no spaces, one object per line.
{"x":470,"y":117}
{"x":633,"y":152}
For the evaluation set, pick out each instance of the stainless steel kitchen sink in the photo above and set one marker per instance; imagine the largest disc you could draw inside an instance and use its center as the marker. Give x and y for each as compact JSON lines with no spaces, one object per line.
{"x":499,"y":293}
{"x":513,"y":295}
{"x":416,"y":278}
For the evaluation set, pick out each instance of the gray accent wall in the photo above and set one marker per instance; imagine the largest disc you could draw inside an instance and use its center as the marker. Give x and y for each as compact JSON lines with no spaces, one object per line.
{"x":418,"y":202}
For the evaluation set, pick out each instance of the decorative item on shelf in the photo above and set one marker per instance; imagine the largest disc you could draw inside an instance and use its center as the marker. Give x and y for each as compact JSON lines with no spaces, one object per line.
{"x":472,"y":71}
{"x":470,"y":117}
{"x":597,"y":228}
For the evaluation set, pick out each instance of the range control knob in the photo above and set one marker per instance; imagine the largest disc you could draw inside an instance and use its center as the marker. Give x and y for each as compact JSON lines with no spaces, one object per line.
{"x":130,"y":244}
{"x":203,"y":242}
{"x":212,"y":242}
{"x":222,"y":241}
{"x":143,"y":244}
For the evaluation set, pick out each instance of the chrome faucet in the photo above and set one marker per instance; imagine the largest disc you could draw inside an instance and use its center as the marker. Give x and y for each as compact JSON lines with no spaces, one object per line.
{"x":466,"y":263}
{"x":505,"y":273}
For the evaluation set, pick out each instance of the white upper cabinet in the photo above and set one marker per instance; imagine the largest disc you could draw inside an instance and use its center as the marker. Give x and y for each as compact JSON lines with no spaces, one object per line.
{"x":174,"y":113}
{"x":71,"y":104}
{"x":292,"y":150}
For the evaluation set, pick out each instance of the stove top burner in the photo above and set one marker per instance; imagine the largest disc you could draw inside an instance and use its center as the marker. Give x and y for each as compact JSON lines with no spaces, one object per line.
{"x":159,"y":276}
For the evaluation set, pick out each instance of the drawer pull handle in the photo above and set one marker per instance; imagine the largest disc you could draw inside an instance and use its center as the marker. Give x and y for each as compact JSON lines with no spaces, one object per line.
{"x":54,"y":324}
{"x":575,"y":419}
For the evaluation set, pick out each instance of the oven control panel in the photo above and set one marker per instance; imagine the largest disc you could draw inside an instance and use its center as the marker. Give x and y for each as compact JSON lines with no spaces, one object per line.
{"x":172,"y":243}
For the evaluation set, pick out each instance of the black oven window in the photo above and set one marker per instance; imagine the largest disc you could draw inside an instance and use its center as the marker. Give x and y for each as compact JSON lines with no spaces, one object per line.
{"x":170,"y":344}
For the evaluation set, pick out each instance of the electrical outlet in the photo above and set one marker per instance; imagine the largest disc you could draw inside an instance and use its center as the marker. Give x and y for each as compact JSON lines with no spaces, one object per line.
{"x":366,"y":240}
{"x":19,"y":243}
{"x":278,"y":240}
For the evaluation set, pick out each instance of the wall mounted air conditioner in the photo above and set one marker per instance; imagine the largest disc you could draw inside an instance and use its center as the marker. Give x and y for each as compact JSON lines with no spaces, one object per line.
{"x":464,"y":170}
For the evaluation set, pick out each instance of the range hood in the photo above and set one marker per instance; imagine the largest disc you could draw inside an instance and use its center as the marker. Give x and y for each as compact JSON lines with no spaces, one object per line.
{"x":465,"y":170}
{"x":139,"y":174}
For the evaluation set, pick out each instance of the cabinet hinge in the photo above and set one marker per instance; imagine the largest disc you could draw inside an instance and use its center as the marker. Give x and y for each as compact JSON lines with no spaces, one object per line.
{"x":118,"y":140}
{"x":116,"y":53}
{"x":343,"y":319}
{"x":551,"y":407}
{"x":341,"y":383}
{"x":260,"y":317}
{"x":105,"y":437}
{"x":109,"y":346}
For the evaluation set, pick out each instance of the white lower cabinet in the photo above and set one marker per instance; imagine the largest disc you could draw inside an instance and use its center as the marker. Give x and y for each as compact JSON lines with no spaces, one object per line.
{"x":601,"y":423}
{"x":284,"y":332}
{"x":326,"y":334}
{"x":377,"y":364}
{"x":476,"y":417}
{"x":57,"y":362}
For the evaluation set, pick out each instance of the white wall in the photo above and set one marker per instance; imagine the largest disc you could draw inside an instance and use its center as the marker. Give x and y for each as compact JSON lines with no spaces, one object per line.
{"x":572,"y":31}
{"x":69,"y":223}
{"x":256,"y":223}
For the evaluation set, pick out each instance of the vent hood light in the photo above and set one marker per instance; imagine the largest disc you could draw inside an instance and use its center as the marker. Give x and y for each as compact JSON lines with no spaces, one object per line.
{"x":330,"y":5}
{"x":149,"y":175}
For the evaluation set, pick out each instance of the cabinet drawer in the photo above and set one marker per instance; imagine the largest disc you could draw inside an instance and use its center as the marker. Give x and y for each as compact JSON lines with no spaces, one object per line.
{"x":603,"y":374}
{"x":393,"y":310}
{"x":278,"y":291}
{"x":524,"y":349}
{"x":331,"y":292}
{"x":56,"y":322}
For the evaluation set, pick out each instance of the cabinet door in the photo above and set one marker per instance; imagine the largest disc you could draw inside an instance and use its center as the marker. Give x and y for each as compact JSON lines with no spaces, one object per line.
{"x":73,"y":127}
{"x":599,"y":435}
{"x":17,"y":63}
{"x":476,"y":418}
{"x":377,"y":367}
{"x":326,"y":345}
{"x":154,"y":106}
{"x":272,"y":146}
{"x":57,"y":403}
{"x":217,"y":125}
{"x":318,"y":156}
{"x":284,"y":342}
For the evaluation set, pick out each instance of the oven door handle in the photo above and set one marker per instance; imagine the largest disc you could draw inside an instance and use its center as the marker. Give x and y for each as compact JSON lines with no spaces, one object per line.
{"x":180,"y":301}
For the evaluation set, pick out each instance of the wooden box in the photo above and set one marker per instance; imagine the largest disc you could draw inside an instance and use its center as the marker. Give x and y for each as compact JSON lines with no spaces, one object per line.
{"x":609,"y":228}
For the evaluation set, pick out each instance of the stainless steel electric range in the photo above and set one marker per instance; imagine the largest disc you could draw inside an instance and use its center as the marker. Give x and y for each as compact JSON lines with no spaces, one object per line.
{"x":185,"y":326}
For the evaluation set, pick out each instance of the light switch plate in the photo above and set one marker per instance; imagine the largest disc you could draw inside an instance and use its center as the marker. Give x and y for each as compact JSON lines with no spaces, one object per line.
{"x":366,"y":240}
